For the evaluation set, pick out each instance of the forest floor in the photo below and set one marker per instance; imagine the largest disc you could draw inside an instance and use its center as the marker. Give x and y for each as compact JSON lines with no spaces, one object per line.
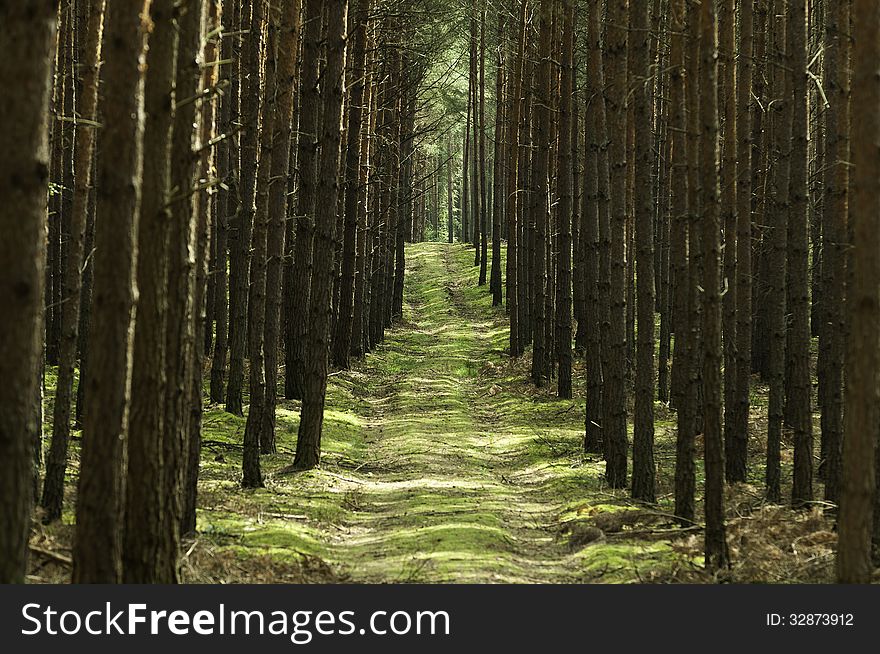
{"x":443,"y":463}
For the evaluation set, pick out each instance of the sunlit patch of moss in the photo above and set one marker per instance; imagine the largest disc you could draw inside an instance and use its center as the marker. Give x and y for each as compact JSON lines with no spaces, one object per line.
{"x":579,"y":509}
{"x":625,"y":562}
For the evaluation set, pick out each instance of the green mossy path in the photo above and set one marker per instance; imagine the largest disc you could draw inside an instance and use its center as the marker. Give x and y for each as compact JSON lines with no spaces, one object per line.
{"x":441,"y":463}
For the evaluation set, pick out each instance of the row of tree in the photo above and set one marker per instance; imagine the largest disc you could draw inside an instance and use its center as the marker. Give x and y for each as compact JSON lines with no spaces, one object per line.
{"x":710,"y":166}
{"x":193,"y":182}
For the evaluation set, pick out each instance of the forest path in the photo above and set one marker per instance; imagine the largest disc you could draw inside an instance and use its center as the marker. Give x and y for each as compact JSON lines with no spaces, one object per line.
{"x":441,"y":463}
{"x":450,"y":498}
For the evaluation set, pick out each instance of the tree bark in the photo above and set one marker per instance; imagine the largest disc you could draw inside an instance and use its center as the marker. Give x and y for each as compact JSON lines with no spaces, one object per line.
{"x":834,"y":243}
{"x":857,"y":493}
{"x":541,"y":190}
{"x":717,"y":555}
{"x":614,"y":397}
{"x":798,"y":350}
{"x":253,"y":437}
{"x":101,"y":489}
{"x":736,"y":454}
{"x":56,"y":461}
{"x":343,"y":337}
{"x":643,"y":418}
{"x":308,"y":445}
{"x":146,"y":424}
{"x":26,"y":45}
{"x":241,"y":233}
{"x":298,"y":321}
{"x":565,"y":208}
{"x":776,"y":236}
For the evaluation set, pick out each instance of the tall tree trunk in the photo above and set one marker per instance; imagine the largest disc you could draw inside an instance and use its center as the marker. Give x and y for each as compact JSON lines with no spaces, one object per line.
{"x":798,"y":351}
{"x":251,"y":474}
{"x":228,"y":165}
{"x":85,"y":304}
{"x":643,"y":417}
{"x":857,"y":492}
{"x":343,"y":337}
{"x":101,"y":488}
{"x":450,"y":210}
{"x":686,"y":204}
{"x":717,"y":555}
{"x":146,"y":424}
{"x":405,"y":189}
{"x":541,"y":190}
{"x":736,"y":453}
{"x":476,"y":190}
{"x":565,"y":206}
{"x":728,"y":118}
{"x":762,"y":148}
{"x":308,"y":445}
{"x":497,"y":196}
{"x":834,"y":242}
{"x":204,"y":261}
{"x":285,"y":85}
{"x":298,"y":321}
{"x":242,"y":228}
{"x":56,"y":461}
{"x":483,"y":162}
{"x":359,"y":339}
{"x":181,"y":343}
{"x":776,"y":276}
{"x":26,"y":45}
{"x":514,"y":184}
{"x":594,"y":210}
{"x":614,"y":397}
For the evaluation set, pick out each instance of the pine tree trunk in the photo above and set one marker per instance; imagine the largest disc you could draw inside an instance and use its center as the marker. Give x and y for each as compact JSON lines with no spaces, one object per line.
{"x":736,"y":458}
{"x":56,"y":461}
{"x":359,"y":338}
{"x":834,"y":242}
{"x":243,"y":224}
{"x":798,"y":351}
{"x":497,"y":196}
{"x":643,"y":417}
{"x":285,"y":84}
{"x":728,"y":117}
{"x":541,"y":191}
{"x":297,"y":327}
{"x":26,"y":44}
{"x":146,"y":424}
{"x":717,"y":555}
{"x":591,"y":213}
{"x":101,"y":489}
{"x":308,"y":446}
{"x":689,"y":338}
{"x":227,"y":165}
{"x":85,"y":306}
{"x":343,"y":337}
{"x":761,"y":146}
{"x":565,"y":207}
{"x":614,"y":398}
{"x":776,"y":275}
{"x":207,"y":206}
{"x":253,"y":437}
{"x":181,"y":343}
{"x":450,"y":212}
{"x":484,"y":195}
{"x":857,"y":493}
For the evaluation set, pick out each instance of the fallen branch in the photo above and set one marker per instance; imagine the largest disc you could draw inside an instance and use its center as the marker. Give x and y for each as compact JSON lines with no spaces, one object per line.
{"x":54,"y":556}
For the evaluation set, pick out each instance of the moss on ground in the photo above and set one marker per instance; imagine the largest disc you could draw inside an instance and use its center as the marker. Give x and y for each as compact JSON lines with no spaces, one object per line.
{"x":441,"y":463}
